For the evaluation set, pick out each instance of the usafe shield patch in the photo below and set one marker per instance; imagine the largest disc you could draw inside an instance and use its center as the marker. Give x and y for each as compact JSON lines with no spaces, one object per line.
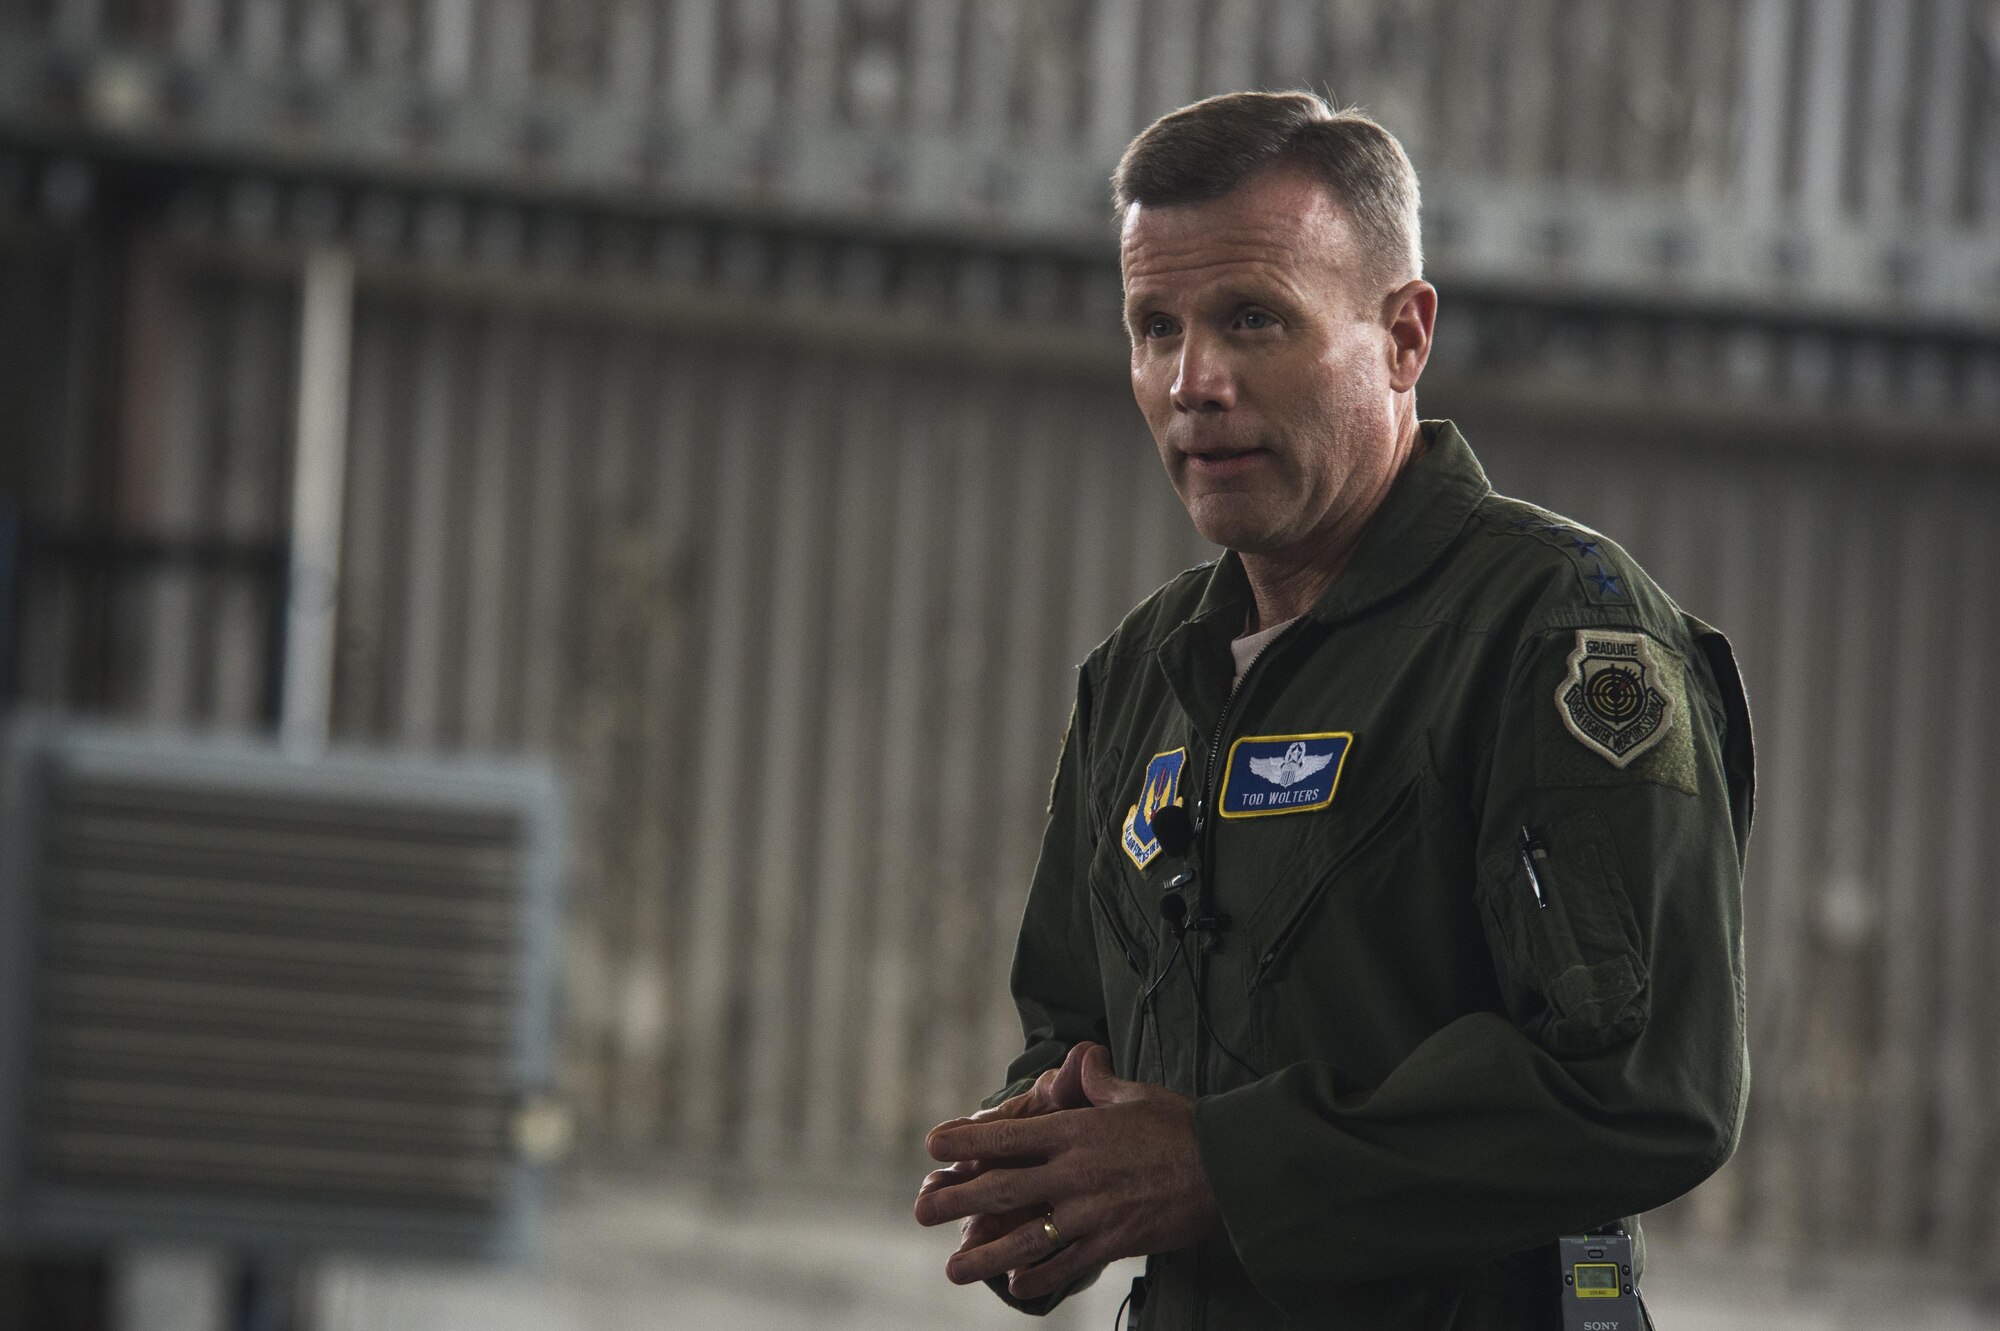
{"x":1162,"y":787}
{"x":1611,"y":699}
{"x":1269,"y":774}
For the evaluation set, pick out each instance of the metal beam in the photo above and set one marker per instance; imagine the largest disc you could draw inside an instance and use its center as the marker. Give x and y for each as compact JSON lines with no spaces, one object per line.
{"x":326,"y":337}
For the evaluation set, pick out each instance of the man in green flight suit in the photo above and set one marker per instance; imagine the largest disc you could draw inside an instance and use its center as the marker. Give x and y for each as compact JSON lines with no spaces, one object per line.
{"x":1387,"y":924}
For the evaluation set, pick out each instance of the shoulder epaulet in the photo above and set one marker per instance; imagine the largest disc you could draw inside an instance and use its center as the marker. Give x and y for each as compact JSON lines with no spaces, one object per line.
{"x":1605,"y":574}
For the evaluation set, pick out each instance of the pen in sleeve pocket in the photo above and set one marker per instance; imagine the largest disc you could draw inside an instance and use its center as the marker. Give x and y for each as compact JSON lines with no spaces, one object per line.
{"x":1531,"y":850}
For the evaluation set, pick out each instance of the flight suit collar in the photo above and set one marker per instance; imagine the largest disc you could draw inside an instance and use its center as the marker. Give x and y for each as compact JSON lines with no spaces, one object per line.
{"x":1424,"y":513}
{"x":1195,"y":655}
{"x":1426,"y":509}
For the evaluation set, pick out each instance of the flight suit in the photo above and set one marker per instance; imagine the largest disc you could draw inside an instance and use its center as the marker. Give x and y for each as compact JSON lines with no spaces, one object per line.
{"x":1471,"y":833}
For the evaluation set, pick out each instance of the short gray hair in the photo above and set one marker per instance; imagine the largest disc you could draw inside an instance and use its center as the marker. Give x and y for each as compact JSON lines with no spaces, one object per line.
{"x":1205,"y":150}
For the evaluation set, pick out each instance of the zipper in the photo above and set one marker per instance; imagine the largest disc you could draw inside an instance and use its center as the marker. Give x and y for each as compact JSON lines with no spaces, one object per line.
{"x":1205,"y":818}
{"x":1221,"y":732}
{"x":1118,"y":934}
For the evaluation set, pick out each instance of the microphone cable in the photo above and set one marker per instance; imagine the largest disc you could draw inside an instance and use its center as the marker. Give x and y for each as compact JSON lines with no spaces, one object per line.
{"x":1175,"y":831}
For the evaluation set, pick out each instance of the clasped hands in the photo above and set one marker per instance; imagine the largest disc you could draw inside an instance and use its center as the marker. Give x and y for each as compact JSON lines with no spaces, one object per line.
{"x":1111,"y":1166}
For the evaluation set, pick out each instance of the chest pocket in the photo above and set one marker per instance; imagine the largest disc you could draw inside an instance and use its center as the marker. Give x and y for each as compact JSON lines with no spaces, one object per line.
{"x":1280,"y":872}
{"x":1125,"y":940}
{"x":1368,"y":941}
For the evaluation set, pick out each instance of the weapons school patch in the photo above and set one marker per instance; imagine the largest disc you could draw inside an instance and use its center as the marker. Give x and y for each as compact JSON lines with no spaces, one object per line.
{"x":1269,"y":774}
{"x":1611,"y":699}
{"x":1162,"y":787}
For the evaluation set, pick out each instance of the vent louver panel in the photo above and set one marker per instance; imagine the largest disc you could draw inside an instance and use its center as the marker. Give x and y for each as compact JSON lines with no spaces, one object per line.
{"x":260,"y":993}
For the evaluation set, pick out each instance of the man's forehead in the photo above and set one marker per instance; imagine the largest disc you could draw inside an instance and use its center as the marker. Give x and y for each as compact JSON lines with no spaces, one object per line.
{"x":1276,"y":218}
{"x":1220,"y":249}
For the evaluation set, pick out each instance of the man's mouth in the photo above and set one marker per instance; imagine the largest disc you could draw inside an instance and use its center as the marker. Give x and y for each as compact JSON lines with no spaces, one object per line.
{"x":1221,"y":461}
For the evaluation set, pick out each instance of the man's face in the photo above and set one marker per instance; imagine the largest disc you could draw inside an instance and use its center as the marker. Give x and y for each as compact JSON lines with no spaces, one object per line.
{"x":1261,"y":360}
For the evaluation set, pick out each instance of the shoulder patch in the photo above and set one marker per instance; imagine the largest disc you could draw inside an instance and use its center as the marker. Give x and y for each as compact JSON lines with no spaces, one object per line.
{"x":1611,"y":698}
{"x":1161,"y":787}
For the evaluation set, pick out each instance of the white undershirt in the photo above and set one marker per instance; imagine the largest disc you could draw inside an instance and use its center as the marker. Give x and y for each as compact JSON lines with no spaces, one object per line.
{"x":1245,"y":649}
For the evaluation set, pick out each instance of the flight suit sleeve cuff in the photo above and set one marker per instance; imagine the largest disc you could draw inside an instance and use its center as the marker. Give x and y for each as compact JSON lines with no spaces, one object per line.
{"x":1247,"y":1177}
{"x":1007,"y":1092}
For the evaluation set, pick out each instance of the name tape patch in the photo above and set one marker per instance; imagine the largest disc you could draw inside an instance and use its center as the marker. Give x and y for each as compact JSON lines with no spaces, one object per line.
{"x":1269,"y":774}
{"x":1610,"y":700}
{"x":1161,"y":788}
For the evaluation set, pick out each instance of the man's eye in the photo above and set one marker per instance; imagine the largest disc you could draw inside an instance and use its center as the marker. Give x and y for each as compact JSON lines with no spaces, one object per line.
{"x":1159,"y":325}
{"x":1256,"y":319}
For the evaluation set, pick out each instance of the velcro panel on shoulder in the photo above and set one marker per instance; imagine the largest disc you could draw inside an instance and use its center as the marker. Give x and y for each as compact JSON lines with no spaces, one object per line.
{"x":1612,"y":708}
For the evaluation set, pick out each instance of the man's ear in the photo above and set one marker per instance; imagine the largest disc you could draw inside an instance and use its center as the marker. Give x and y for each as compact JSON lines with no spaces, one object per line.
{"x":1409,"y":313}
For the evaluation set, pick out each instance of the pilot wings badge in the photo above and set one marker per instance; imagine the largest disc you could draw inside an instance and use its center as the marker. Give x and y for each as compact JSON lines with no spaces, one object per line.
{"x":1295,"y":766}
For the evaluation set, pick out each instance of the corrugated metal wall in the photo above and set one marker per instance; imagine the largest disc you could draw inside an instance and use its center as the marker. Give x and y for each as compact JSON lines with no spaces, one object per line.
{"x":1879,"y":110}
{"x":799,"y":625}
{"x":1838,"y":154}
{"x":797,"y":615}
{"x":1863,"y":598}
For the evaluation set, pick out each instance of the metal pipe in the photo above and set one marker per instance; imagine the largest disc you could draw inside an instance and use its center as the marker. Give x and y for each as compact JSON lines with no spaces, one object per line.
{"x":319,"y":476}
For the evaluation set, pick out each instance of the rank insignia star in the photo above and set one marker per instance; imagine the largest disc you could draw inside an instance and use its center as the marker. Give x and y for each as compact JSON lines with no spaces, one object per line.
{"x":1583,"y":547}
{"x":1607,"y":584}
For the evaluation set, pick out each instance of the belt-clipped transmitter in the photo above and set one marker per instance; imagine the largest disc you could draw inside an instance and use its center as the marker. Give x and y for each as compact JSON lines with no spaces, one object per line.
{"x":1598,"y":1291}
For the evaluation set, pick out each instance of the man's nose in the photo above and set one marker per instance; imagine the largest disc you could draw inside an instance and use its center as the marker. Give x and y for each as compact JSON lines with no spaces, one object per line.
{"x":1203,"y":380}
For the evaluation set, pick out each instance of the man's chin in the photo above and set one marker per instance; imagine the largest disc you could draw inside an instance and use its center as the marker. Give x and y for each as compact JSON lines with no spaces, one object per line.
{"x":1233,"y":529}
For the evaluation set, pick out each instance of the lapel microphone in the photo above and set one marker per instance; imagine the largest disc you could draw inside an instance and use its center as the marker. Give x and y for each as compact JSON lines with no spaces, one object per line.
{"x":1174,"y":830}
{"x":1180,"y":904}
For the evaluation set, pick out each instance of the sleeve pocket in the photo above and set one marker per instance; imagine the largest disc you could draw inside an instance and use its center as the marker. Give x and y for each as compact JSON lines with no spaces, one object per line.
{"x":1570,"y":968}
